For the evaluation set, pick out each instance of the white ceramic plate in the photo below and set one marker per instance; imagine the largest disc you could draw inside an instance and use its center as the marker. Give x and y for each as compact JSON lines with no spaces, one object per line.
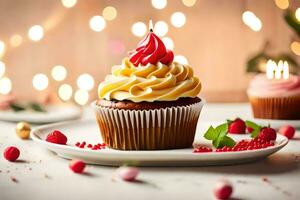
{"x":55,"y":113}
{"x":88,"y":131}
{"x":277,"y":123}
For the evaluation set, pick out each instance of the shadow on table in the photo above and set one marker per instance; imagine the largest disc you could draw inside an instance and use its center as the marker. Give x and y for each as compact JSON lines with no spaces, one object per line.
{"x":278,"y":163}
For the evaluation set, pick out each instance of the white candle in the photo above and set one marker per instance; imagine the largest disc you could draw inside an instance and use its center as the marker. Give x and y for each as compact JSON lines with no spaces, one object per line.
{"x":270,"y":68}
{"x":279,"y":70}
{"x":285,"y":72}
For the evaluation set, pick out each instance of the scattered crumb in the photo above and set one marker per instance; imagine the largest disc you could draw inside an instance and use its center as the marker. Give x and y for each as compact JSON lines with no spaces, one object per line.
{"x":276,"y":187}
{"x":46,"y":176}
{"x":30,"y":168}
{"x":265,"y":179}
{"x":13,"y":179}
{"x":0,"y":171}
{"x":40,"y":161}
{"x":7,"y":171}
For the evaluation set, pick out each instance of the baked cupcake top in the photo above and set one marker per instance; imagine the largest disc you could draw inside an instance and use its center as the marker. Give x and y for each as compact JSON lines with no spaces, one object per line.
{"x":150,"y":75}
{"x":261,"y":86}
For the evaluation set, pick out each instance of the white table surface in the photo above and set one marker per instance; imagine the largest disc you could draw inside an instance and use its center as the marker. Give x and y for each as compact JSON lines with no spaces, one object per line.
{"x":43,"y":175}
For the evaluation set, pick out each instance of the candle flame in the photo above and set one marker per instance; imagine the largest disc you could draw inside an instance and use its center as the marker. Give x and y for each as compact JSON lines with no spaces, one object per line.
{"x":277,"y":71}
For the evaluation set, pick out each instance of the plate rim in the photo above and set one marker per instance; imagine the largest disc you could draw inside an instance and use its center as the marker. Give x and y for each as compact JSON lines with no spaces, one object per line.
{"x":34,"y":136}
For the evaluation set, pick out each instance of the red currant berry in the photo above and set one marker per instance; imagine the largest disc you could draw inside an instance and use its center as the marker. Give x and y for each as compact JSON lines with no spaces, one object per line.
{"x":77,"y":166}
{"x":287,"y":131}
{"x":11,"y":153}
{"x":223,"y":190}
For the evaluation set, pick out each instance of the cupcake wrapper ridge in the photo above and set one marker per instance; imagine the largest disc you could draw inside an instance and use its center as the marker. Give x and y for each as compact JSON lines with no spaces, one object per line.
{"x":165,"y":128}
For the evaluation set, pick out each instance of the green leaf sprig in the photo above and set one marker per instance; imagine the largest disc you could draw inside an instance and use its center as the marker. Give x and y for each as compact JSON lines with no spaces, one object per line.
{"x":219,"y":137}
{"x":17,"y":107}
{"x":256,"y":128}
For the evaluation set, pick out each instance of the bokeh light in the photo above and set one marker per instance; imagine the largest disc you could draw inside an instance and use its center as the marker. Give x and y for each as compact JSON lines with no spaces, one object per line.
{"x":36,"y":33}
{"x":168,"y":43}
{"x":97,"y":23}
{"x":189,"y":3}
{"x":2,"y":48}
{"x":159,"y":4}
{"x":181,"y":59}
{"x":2,"y":68}
{"x":15,"y":40}
{"x":68,"y":3}
{"x":297,"y":14}
{"x":139,"y":29}
{"x":85,"y":82}
{"x":65,"y":92}
{"x":81,"y":97}
{"x":40,"y":82}
{"x":295,"y":47}
{"x":161,"y":28}
{"x":5,"y":85}
{"x":178,"y":19}
{"x":253,"y":22}
{"x":59,"y":73}
{"x":282,"y":4}
{"x":109,"y":13}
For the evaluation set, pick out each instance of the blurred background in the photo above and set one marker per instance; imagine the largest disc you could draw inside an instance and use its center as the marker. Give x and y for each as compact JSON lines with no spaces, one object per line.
{"x":55,"y":50}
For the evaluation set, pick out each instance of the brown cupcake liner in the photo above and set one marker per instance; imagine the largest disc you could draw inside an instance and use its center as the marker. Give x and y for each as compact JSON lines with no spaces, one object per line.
{"x":165,"y":128}
{"x":276,"y":107}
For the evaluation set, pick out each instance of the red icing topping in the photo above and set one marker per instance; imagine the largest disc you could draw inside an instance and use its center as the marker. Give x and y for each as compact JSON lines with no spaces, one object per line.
{"x":151,"y":50}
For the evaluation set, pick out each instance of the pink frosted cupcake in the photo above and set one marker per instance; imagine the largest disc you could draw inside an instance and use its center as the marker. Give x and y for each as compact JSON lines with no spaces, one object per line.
{"x":275,"y":98}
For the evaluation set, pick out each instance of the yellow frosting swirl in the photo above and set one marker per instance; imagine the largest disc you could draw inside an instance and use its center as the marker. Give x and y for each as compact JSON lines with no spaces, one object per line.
{"x":149,"y":83}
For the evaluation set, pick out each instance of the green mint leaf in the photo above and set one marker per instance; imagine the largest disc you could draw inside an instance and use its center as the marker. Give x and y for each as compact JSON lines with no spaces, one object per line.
{"x":211,"y":134}
{"x":252,"y":125}
{"x":256,"y":128}
{"x":37,"y":107}
{"x":218,"y":141}
{"x":229,"y":121}
{"x":222,"y":128}
{"x":227,"y":141}
{"x":17,"y":107}
{"x":255,"y":133}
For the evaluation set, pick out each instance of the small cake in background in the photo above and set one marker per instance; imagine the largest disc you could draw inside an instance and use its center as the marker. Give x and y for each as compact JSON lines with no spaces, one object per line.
{"x":276,"y":94}
{"x":149,"y":102}
{"x":6,"y":101}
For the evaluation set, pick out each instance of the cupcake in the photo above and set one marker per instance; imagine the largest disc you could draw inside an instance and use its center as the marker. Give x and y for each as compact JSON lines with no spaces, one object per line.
{"x":275,"y":98}
{"x":149,"y":102}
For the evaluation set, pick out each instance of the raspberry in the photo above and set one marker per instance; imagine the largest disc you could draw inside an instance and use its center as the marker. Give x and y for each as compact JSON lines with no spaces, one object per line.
{"x":128,"y":173}
{"x":77,"y":166}
{"x":223,"y":190}
{"x":11,"y":153}
{"x":287,"y":131}
{"x":268,"y":134}
{"x":57,"y":137}
{"x":238,"y":126}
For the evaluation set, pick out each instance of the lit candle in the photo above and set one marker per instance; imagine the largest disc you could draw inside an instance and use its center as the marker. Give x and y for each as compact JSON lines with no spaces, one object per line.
{"x":150,"y":25}
{"x":286,"y":72}
{"x":277,"y":71}
{"x":271,"y":67}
